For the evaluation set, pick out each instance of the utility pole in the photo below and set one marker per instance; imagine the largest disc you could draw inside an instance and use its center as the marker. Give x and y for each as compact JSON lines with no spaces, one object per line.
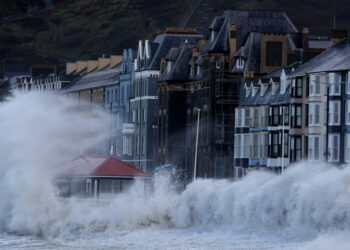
{"x":196,"y":149}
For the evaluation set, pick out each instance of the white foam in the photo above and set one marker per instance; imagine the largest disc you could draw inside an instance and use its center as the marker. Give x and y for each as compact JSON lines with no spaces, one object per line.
{"x":38,"y":132}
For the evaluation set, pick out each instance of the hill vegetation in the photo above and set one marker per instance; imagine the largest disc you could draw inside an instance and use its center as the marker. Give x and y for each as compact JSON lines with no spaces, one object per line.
{"x":84,"y":29}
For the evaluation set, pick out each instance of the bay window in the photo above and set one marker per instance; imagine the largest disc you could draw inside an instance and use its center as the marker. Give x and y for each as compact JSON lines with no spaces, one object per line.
{"x":314,"y":114}
{"x":334,"y":113}
{"x":315,"y":85}
{"x":334,"y":81}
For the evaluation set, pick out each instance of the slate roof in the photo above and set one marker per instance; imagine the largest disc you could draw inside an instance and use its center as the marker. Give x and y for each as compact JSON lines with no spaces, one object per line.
{"x":336,"y":58}
{"x":164,"y":43}
{"x":95,"y":79}
{"x":268,"y":98}
{"x":247,"y":21}
{"x":100,"y":166}
{"x":217,"y":22}
{"x":180,"y":70}
{"x":277,"y":73}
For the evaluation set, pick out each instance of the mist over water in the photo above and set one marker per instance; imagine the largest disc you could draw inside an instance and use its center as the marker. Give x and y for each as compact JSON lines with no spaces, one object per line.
{"x":38,"y":132}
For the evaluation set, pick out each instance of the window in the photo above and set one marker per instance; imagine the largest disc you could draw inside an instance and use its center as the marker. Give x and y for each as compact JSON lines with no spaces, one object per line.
{"x":133,"y":113}
{"x":334,"y":81}
{"x":256,"y":117}
{"x":315,"y":85}
{"x":238,"y":144}
{"x":255,"y":146}
{"x":144,"y":114}
{"x":334,"y":113}
{"x":295,"y":148}
{"x":348,"y":83}
{"x":297,"y":87}
{"x":314,"y":147}
{"x":263,"y":116}
{"x":286,"y":115}
{"x":296,"y":116}
{"x":333,"y":147}
{"x":285,"y":142}
{"x":242,"y":145}
{"x":212,"y":36}
{"x":127,"y":145}
{"x":238,"y":119}
{"x":314,"y":114}
{"x":264,"y":144}
{"x":274,"y":145}
{"x":240,"y":63}
{"x":246,"y":145}
{"x":247,"y":117}
{"x":347,"y":147}
{"x":347,"y":112}
{"x":238,"y":173}
{"x":275,"y":116}
{"x":274,"y":53}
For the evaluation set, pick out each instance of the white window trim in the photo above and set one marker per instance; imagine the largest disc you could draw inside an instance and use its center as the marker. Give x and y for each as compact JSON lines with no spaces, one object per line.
{"x":332,"y":114}
{"x":312,"y":114}
{"x":312,"y":148}
{"x":334,"y":80}
{"x":315,"y":85}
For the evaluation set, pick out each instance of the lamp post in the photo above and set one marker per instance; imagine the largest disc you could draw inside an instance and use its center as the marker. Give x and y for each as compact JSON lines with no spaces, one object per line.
{"x":282,"y":164}
{"x":196,"y":148}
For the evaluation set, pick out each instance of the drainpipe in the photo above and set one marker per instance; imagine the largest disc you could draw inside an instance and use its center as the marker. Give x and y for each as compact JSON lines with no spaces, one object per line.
{"x":196,"y":149}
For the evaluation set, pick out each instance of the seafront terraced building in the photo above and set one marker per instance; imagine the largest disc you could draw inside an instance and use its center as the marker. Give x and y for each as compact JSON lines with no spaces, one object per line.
{"x":305,"y":114}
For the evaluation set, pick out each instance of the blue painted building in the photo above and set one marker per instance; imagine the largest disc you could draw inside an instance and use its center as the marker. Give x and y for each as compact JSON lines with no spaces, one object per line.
{"x":117,"y":102}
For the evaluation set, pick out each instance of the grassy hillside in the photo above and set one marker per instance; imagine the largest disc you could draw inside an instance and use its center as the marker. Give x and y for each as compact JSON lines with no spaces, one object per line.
{"x":88,"y":28}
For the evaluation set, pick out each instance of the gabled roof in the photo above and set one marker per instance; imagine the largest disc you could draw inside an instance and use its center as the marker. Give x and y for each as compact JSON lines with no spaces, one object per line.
{"x":336,"y":58}
{"x":180,"y":69}
{"x":259,"y":21}
{"x":246,"y":22}
{"x":268,"y":98}
{"x":100,"y":166}
{"x":164,"y":43}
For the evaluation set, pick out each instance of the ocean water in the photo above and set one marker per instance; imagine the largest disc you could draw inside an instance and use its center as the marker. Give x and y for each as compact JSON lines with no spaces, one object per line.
{"x":307,"y":207}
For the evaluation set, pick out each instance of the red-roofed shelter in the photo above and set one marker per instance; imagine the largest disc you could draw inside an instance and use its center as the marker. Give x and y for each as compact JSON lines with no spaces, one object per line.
{"x":96,"y":176}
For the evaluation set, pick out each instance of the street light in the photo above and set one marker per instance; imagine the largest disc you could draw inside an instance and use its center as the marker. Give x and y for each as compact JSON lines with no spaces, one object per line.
{"x":196,"y":149}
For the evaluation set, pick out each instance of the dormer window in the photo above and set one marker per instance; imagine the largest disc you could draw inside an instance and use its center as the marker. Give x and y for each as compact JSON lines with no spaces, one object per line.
{"x":169,"y":66}
{"x":255,"y":90}
{"x":240,"y":63}
{"x":275,"y":87}
{"x":198,"y":70}
{"x":263,"y":88}
{"x":247,"y":91}
{"x":212,"y":35}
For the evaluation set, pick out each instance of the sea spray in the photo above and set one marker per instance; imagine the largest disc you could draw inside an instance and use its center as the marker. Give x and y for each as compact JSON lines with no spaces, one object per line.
{"x":40,"y":131}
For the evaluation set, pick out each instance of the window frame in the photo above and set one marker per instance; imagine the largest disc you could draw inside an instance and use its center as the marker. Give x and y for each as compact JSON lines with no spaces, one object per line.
{"x":333,"y":147}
